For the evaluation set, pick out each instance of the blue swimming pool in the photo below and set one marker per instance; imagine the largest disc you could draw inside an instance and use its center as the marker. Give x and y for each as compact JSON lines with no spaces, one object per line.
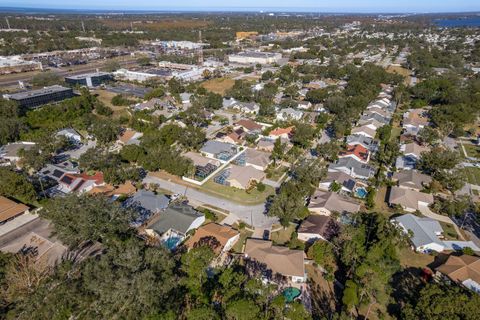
{"x":172,"y":242}
{"x":291,"y":293}
{"x":361,"y":193}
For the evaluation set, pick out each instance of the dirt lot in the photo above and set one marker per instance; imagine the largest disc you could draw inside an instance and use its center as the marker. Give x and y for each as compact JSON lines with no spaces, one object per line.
{"x":220,"y":85}
{"x":402,"y":71}
{"x":106,"y":97}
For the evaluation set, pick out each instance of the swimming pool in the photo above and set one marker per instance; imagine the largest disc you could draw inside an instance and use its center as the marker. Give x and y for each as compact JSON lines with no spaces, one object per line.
{"x":361,"y":193}
{"x":172,"y":242}
{"x":291,"y":293}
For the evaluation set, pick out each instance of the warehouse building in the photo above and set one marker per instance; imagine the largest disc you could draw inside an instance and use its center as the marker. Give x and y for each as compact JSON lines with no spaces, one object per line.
{"x":254,"y":57}
{"x":89,"y":79}
{"x":36,"y":98}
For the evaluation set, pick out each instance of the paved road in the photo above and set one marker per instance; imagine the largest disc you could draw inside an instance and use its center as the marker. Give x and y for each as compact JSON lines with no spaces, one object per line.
{"x":253,"y":215}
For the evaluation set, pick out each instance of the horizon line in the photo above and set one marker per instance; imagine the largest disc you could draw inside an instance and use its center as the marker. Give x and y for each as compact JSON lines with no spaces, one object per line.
{"x":185,"y":9}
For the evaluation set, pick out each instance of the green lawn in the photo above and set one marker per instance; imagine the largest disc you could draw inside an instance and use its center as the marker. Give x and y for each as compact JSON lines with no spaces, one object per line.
{"x":449,"y":231}
{"x":395,"y":133}
{"x":237,"y":195}
{"x":472,"y":150}
{"x":473,"y":175}
{"x":282,"y":236}
{"x":275,"y":173}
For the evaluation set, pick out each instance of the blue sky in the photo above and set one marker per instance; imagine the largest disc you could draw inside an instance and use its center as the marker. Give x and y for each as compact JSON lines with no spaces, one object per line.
{"x":313,"y":5}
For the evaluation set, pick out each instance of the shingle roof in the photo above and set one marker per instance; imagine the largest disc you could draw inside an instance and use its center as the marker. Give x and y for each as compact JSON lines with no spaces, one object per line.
{"x":333,"y":202}
{"x":149,"y":200}
{"x":256,"y":157}
{"x":280,"y":260}
{"x":461,"y":268}
{"x":316,"y":224}
{"x":412,"y":179}
{"x":423,"y":229}
{"x":176,"y":217}
{"x":217,"y":231}
{"x":408,"y":198}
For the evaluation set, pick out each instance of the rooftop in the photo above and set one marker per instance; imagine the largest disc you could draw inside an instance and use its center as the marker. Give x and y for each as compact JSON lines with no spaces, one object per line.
{"x":38,"y":92}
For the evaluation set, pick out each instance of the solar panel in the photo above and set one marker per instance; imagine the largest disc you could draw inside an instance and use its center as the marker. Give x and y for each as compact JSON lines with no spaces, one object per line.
{"x":67,"y":180}
{"x":57,"y":173}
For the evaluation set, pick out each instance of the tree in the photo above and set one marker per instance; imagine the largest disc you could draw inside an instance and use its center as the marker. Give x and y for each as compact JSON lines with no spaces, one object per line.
{"x":317,"y":95}
{"x":438,"y":159}
{"x":155,"y":93}
{"x":296,"y":311}
{"x":428,"y":135}
{"x":242,"y":310}
{"x":17,"y":186}
{"x":10,"y":124}
{"x":84,"y":218}
{"x":111,"y":66}
{"x":442,"y":301}
{"x":328,"y":150}
{"x":278,"y":151}
{"x":194,"y":264}
{"x":46,"y":78}
{"x":303,"y":135}
{"x":322,"y":252}
{"x":144,"y":61}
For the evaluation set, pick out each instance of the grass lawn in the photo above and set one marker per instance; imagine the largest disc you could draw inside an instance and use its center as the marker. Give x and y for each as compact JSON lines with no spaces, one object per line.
{"x":402,"y":71}
{"x":219,"y":85}
{"x":237,"y":195}
{"x":472,"y":150}
{"x":473,"y":175}
{"x":244,"y":234}
{"x":449,"y":231}
{"x":410,"y":258}
{"x":282,"y":236}
{"x":395,"y":133}
{"x":106,"y":97}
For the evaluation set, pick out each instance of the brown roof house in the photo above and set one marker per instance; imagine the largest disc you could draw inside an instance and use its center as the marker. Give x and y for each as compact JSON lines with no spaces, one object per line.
{"x":257,"y":159}
{"x":225,"y":237}
{"x":412,"y":179}
{"x":463,"y":269}
{"x":409,"y":200}
{"x":249,"y":126}
{"x":129,"y":137}
{"x":317,"y":227}
{"x":326,"y":202}
{"x":243,"y":177}
{"x":280,"y":260}
{"x":10,"y":209}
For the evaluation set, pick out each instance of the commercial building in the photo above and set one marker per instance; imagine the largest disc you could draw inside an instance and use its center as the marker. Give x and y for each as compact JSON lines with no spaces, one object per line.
{"x":89,"y":79}
{"x":254,"y":57}
{"x":36,"y":98}
{"x":16,"y":64}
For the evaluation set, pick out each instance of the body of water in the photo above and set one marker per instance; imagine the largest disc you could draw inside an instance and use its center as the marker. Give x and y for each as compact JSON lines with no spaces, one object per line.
{"x":455,"y":23}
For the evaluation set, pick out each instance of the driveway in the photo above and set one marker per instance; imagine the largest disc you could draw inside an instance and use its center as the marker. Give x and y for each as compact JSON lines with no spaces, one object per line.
{"x":252,"y":215}
{"x":425,"y":210}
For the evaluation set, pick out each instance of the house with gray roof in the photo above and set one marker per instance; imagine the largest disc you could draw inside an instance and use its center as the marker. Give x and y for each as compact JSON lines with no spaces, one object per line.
{"x":219,"y":150}
{"x":424,"y":232}
{"x":326,"y":202}
{"x":409,"y":200}
{"x":11,"y":152}
{"x":146,"y":203}
{"x":412,"y":179}
{"x":366,"y":118}
{"x":179,"y":218}
{"x":353,"y":168}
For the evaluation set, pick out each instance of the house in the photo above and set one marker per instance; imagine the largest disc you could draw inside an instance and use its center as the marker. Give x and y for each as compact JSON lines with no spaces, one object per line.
{"x":80,"y":183}
{"x":326,"y":202}
{"x":224,"y":235}
{"x":371,"y":123}
{"x":246,"y":107}
{"x":10,"y":209}
{"x":377,"y":110}
{"x":364,"y":131}
{"x":347,"y":182}
{"x":243,"y":177}
{"x":147,"y":202}
{"x":185,"y":98}
{"x":257,"y":159}
{"x":280,"y":260}
{"x":424,"y":232}
{"x":249,"y":126}
{"x":178,"y":218}
{"x":55,"y":172}
{"x":304,"y":105}
{"x":219,"y":150}
{"x":464,"y":270}
{"x":11,"y":152}
{"x":353,"y":168}
{"x":357,"y":152}
{"x":289,"y":114}
{"x":237,"y":136}
{"x":366,"y":142}
{"x":316,"y":227}
{"x":284,"y":133}
{"x":70,"y":134}
{"x":409,"y":200}
{"x":412,"y":153}
{"x":412,"y":179}
{"x":229,"y":103}
{"x":129,"y":137}
{"x":414,"y":120}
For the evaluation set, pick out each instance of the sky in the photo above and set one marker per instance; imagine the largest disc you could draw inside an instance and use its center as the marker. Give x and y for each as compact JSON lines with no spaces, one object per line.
{"x":278,"y":5}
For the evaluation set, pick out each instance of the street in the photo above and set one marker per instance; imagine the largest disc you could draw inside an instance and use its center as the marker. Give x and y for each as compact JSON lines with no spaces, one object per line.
{"x":252,"y":215}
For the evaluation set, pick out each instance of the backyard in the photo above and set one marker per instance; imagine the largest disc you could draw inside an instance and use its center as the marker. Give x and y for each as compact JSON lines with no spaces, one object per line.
{"x":473,"y":175}
{"x":282,"y":236}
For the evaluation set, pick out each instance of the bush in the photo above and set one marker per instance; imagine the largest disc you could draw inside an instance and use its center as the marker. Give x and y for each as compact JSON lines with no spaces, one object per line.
{"x":261,"y":187}
{"x":120,"y":100}
{"x":210,"y":215}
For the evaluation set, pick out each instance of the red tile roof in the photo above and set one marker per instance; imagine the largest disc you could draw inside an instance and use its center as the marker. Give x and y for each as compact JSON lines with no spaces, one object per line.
{"x":358,"y":150}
